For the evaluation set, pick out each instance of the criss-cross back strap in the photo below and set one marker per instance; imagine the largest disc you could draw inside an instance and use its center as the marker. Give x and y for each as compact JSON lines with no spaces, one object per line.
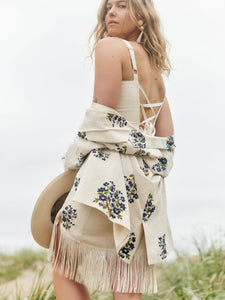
{"x":148,"y":104}
{"x":152,"y":117}
{"x":151,"y":106}
{"x":133,"y":60}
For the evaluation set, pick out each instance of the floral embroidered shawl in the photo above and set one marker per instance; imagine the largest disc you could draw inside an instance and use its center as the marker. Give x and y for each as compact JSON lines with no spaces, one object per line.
{"x":123,"y":177}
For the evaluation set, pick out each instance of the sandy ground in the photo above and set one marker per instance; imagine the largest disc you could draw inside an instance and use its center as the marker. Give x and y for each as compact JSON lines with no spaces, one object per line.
{"x":26,"y":282}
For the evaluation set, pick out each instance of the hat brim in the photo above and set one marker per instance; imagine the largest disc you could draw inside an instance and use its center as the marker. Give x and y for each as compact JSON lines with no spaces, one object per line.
{"x":48,"y":204}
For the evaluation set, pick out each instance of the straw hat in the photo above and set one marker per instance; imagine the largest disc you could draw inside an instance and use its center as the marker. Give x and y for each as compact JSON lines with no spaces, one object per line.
{"x":48,"y":204}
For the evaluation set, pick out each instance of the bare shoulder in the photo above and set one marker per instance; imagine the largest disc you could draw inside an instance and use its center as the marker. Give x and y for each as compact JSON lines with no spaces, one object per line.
{"x":110,"y":46}
{"x":108,"y":72}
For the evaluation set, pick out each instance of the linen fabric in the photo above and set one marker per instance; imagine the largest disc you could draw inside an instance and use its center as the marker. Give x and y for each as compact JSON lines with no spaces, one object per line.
{"x":114,"y":225}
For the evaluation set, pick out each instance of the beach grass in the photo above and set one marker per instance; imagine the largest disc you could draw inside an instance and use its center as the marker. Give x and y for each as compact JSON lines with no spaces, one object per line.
{"x":198,"y":277}
{"x":11,"y":266}
{"x":201,"y":277}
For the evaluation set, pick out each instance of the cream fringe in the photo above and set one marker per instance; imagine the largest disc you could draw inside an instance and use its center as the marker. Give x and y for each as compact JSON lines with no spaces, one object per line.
{"x":97,"y":267}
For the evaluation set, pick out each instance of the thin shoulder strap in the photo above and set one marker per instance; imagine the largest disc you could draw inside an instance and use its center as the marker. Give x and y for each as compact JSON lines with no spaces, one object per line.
{"x":133,"y":60}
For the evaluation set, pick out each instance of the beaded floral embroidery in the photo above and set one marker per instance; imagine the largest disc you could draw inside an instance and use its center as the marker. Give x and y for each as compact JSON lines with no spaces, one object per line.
{"x":82,"y":134}
{"x":161,"y":165}
{"x":116,"y":120}
{"x":100,"y":154}
{"x":76,"y":182}
{"x":124,"y":252}
{"x":142,"y":152}
{"x":122,"y":149}
{"x":111,"y":200}
{"x":162,"y":245}
{"x":145,"y":169}
{"x":68,"y":215}
{"x":81,"y":159}
{"x":149,"y":208}
{"x":138,"y":138}
{"x":131,"y":188}
{"x":170,"y":144}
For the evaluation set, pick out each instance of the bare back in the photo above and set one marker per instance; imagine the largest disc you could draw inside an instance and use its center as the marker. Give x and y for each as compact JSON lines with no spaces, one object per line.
{"x":149,"y":78}
{"x":113,"y":65}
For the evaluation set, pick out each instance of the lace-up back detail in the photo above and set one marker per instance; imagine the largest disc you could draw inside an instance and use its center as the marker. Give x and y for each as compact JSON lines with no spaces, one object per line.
{"x":129,"y":102}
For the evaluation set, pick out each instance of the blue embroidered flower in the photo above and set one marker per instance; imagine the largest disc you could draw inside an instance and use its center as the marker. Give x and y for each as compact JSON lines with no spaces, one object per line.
{"x":163,"y":160}
{"x":136,"y":196}
{"x":122,"y":149}
{"x":170,"y":144}
{"x":111,"y":200}
{"x":116,"y":195}
{"x":112,"y":188}
{"x":133,"y":238}
{"x":142,"y":152}
{"x":162,"y":245}
{"x":116,"y":120}
{"x":81,"y":159}
{"x":82,"y":134}
{"x":149,"y":208}
{"x":68,"y":214}
{"x":101,"y":154}
{"x":116,"y":210}
{"x":122,"y":206}
{"x":102,"y":197}
{"x":138,"y":138}
{"x":131,"y":188}
{"x":161,"y":165}
{"x":145,"y":169}
{"x":76,"y":183}
{"x":124,"y":252}
{"x":131,"y":246}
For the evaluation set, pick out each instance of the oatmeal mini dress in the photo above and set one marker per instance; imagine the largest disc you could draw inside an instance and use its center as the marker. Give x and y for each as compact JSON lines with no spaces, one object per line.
{"x":113,"y":224}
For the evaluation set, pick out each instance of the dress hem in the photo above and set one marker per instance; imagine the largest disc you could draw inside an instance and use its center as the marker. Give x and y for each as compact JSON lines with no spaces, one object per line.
{"x":100,"y":269}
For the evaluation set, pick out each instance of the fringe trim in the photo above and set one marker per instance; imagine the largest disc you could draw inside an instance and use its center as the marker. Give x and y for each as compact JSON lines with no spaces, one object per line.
{"x":100,"y":269}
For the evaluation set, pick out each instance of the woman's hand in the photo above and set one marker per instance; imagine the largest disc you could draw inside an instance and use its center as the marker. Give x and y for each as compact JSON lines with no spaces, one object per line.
{"x":108,"y":72}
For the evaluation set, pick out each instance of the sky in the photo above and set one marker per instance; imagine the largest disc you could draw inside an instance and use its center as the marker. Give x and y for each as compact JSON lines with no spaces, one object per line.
{"x":46,"y":84}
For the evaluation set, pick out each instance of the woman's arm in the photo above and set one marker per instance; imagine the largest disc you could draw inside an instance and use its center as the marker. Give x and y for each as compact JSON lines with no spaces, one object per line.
{"x":108,"y":72}
{"x":164,"y":122}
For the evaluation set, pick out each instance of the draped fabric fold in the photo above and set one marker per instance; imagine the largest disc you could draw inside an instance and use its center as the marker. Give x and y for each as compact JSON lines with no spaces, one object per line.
{"x":119,"y":183}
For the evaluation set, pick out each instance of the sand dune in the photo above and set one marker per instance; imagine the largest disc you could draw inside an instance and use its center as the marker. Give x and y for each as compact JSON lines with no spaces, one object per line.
{"x":25,"y":282}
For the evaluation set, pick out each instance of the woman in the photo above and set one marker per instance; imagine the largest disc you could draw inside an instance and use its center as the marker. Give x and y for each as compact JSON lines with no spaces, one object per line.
{"x":130,"y":57}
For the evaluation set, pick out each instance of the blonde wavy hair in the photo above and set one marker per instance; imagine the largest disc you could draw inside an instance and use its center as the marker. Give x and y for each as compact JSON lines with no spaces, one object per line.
{"x":150,"y":36}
